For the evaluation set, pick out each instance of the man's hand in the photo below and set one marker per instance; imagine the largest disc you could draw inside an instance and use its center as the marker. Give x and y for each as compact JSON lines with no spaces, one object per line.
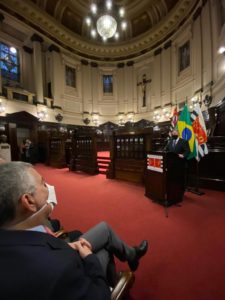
{"x":82,"y":249}
{"x":181,"y":155}
{"x":84,"y":242}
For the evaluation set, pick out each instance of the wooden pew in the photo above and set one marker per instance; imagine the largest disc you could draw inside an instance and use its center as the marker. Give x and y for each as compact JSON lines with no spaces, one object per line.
{"x":128,"y":154}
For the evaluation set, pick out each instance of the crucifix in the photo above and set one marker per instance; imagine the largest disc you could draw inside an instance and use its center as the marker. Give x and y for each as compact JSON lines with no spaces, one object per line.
{"x":143,"y":84}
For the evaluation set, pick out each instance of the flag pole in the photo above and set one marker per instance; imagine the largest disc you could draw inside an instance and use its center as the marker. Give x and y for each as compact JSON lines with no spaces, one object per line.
{"x":195,"y":190}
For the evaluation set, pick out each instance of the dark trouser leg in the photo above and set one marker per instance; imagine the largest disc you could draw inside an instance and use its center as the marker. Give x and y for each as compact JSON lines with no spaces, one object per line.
{"x":106,"y":243}
{"x":102,"y":236}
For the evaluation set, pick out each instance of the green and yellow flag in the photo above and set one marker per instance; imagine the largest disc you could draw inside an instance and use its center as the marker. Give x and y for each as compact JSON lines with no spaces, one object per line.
{"x":186,"y":131}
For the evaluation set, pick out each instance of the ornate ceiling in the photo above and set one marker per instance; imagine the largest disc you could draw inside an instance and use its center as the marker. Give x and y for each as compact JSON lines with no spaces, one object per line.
{"x":150,"y":23}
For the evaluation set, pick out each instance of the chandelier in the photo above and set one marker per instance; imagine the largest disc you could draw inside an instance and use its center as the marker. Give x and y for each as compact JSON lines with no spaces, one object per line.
{"x":106,"y":20}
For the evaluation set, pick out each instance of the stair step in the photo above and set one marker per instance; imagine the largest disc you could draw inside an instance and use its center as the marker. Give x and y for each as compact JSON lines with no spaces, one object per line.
{"x":102,"y":164}
{"x":103,"y":167}
{"x":104,"y":158}
{"x":102,"y":172}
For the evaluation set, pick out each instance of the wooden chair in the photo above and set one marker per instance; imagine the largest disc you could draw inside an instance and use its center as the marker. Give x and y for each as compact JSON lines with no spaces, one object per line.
{"x":126,"y":278}
{"x":123,"y":285}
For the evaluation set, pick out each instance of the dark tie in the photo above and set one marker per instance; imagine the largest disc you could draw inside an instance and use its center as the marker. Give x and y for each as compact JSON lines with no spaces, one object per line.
{"x":174,"y":144}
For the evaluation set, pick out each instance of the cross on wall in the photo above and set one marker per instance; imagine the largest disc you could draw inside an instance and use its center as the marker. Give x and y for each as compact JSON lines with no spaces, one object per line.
{"x":143,"y":84}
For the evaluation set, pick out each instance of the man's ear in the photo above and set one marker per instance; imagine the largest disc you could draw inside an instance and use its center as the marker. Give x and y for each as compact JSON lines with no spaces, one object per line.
{"x":28,"y":202}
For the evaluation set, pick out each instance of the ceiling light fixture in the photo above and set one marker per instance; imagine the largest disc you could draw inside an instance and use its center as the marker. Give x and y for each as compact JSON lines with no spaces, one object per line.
{"x":106,"y":20}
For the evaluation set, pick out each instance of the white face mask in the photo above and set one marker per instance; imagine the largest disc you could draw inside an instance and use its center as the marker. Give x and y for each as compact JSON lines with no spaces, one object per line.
{"x":51,"y":194}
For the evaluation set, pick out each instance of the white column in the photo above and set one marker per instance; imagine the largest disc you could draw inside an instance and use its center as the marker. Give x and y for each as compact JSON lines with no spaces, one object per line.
{"x":95,"y":87}
{"x":57,"y":76}
{"x":86,"y":86}
{"x":37,"y":66}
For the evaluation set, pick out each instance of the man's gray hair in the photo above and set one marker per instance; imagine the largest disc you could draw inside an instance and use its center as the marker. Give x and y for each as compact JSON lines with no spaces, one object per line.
{"x":15,"y":180}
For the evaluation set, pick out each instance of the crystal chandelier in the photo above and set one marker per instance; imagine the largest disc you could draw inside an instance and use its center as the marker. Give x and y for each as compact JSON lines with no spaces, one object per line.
{"x":106,"y":20}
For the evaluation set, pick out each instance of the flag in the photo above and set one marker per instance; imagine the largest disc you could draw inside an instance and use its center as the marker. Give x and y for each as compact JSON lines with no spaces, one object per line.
{"x":199,"y":128}
{"x":174,"y":120}
{"x":186,"y":131}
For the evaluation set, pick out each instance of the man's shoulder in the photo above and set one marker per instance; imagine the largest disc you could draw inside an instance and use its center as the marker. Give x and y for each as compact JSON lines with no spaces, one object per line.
{"x":29,"y":237}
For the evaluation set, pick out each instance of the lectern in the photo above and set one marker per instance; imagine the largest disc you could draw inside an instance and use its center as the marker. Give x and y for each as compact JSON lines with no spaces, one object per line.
{"x":165,"y":177}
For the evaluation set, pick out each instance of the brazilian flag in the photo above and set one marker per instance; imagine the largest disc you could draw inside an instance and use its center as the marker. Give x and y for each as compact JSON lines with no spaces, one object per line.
{"x":186,"y":131}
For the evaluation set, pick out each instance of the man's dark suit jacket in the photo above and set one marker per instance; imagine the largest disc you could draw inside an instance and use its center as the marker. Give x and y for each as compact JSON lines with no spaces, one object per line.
{"x":181,"y":147}
{"x":38,"y":266}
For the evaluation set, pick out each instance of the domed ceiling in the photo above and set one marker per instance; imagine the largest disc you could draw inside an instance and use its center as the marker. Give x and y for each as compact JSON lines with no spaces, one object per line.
{"x":149,"y":24}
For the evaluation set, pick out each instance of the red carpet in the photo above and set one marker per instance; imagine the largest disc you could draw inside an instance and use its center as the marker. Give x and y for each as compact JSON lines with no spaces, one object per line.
{"x":186,"y":260}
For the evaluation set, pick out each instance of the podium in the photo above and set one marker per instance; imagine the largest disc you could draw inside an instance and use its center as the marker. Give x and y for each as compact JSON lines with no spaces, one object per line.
{"x":165,"y":177}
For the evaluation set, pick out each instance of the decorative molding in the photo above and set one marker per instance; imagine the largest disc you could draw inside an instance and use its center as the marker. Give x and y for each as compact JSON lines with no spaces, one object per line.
{"x":24,"y":11}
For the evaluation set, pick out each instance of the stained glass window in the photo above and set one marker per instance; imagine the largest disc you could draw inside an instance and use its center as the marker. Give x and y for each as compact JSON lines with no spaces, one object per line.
{"x":107,"y":84}
{"x":9,"y":63}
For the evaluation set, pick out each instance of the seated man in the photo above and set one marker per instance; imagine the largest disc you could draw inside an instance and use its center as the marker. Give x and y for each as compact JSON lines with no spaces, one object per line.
{"x":36,"y":265}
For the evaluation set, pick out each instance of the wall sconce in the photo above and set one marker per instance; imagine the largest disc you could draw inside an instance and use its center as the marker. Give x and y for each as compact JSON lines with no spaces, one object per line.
{"x":166,"y":113}
{"x":207,"y":101}
{"x":2,"y":107}
{"x":156,"y":116}
{"x":221,"y":50}
{"x":121,"y":117}
{"x":63,"y":129}
{"x":130,"y":117}
{"x":95,"y":119}
{"x":194,"y":101}
{"x":42,"y":115}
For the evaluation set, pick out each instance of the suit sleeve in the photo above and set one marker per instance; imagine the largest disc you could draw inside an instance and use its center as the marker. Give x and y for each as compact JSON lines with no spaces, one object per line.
{"x":82,"y":279}
{"x":186,"y":149}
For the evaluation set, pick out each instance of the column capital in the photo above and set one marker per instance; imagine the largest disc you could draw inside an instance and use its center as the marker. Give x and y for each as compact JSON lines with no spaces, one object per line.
{"x":167,"y":44}
{"x":36,"y":38}
{"x":94,"y":64}
{"x":28,"y":49}
{"x":120,"y":65}
{"x":157,"y":51}
{"x":84,"y":62}
{"x":53,"y":47}
{"x":130,"y":63}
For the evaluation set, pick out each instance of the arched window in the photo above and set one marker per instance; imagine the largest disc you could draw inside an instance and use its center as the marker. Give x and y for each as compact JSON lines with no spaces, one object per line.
{"x":9,"y":63}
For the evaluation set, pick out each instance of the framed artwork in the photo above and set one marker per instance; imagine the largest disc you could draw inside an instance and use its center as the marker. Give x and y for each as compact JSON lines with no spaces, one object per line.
{"x":107,"y":84}
{"x":71,"y":76}
{"x":184,"y":56}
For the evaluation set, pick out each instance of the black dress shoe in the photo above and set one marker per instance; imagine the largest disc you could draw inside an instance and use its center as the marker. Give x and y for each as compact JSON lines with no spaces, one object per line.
{"x":139,"y":252}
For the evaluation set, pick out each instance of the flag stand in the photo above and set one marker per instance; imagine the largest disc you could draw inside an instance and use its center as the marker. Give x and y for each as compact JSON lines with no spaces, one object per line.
{"x":195,"y":190}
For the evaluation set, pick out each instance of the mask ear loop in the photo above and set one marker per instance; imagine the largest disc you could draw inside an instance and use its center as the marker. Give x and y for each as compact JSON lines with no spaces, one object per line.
{"x":36,"y":219}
